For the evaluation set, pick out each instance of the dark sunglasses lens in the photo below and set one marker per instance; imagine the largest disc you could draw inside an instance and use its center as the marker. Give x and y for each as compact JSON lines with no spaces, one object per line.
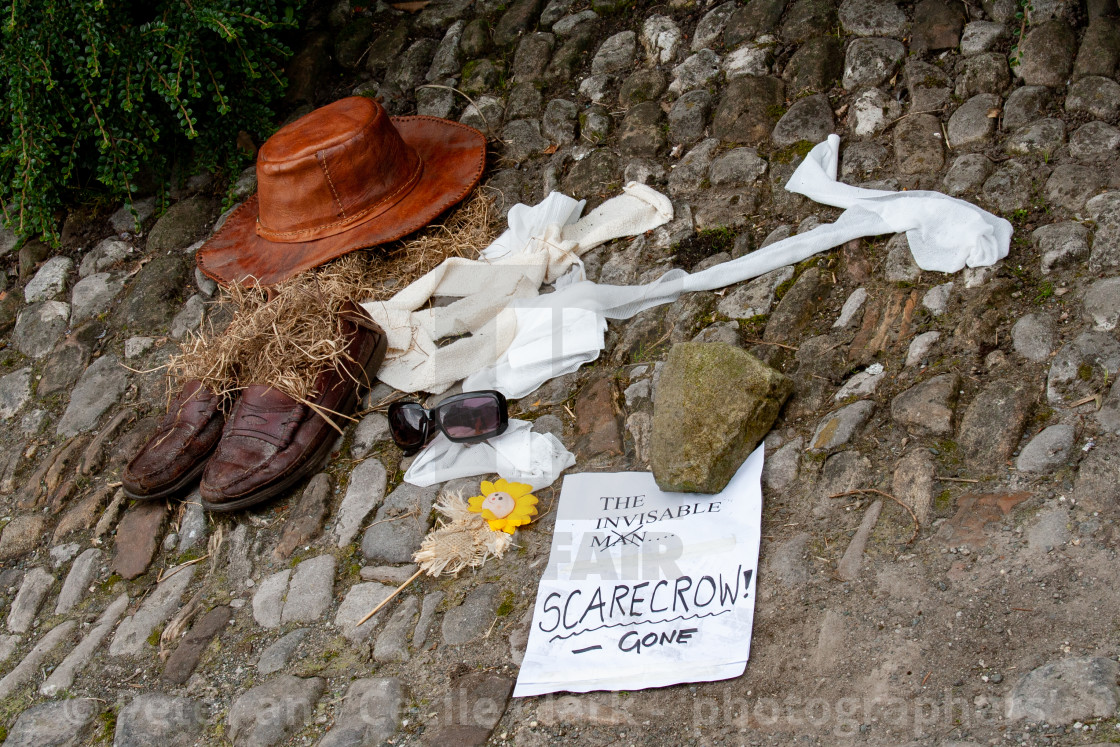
{"x":406,"y":424}
{"x":471,"y":417}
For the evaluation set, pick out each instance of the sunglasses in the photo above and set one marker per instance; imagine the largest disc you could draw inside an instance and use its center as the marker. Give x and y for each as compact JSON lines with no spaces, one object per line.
{"x":463,"y":418}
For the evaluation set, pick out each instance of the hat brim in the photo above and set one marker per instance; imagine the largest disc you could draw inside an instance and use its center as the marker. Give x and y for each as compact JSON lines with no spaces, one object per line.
{"x":453,"y":156}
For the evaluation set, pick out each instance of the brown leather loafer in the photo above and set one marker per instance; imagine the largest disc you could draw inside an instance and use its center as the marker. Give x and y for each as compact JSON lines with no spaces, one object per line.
{"x":176,"y":454}
{"x":273,"y":441}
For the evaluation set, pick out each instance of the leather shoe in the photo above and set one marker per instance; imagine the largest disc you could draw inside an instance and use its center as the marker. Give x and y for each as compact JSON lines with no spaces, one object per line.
{"x":272,"y":441}
{"x":176,"y":454}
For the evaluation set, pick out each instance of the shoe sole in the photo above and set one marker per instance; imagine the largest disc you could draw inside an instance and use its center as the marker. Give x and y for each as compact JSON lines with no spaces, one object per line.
{"x":317,"y":459}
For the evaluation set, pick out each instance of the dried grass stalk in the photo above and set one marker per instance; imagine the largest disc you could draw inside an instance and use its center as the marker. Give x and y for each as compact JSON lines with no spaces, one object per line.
{"x":286,"y":335}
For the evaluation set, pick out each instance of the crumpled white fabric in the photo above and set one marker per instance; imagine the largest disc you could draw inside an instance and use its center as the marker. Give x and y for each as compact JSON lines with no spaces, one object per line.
{"x":518,"y":455}
{"x":945,"y":235}
{"x":542,"y":243}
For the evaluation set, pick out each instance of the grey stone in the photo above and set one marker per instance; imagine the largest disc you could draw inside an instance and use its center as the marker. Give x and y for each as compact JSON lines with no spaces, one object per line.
{"x":559,"y":121}
{"x":484,"y":114}
{"x":387,"y":47}
{"x":554,"y":10}
{"x":566,"y":25}
{"x":616,"y":53}
{"x":808,"y":18}
{"x":872,"y":110}
{"x":1099,"y":53}
{"x":755,"y":297}
{"x":847,"y":569}
{"x":660,"y":39}
{"x":697,"y":71}
{"x":50,"y":281}
{"x":365,"y":491}
{"x":408,"y":71}
{"x":32,"y":592}
{"x":816,"y":66}
{"x":993,"y":423}
{"x":358,"y":602}
{"x":310,"y":591}
{"x":937,"y":25}
{"x":440,"y":14}
{"x":64,"y":365}
{"x":967,"y":174}
{"x":92,"y":295}
{"x":531,"y":59}
{"x":927,"y":408}
{"x":524,"y":102}
{"x":871,"y":61}
{"x":929,"y":86}
{"x":155,"y":718}
{"x":598,"y":88}
{"x":861,"y":384}
{"x":392,"y":641}
{"x":808,"y":119}
{"x":860,"y":159}
{"x":936,"y":299}
{"x":1105,"y":210}
{"x":1050,"y":531}
{"x":642,"y":85}
{"x":985,"y":73}
{"x":1070,"y":186}
{"x":66,"y":723}
{"x":469,"y":620}
{"x":1046,"y":54}
{"x":747,"y":112}
{"x":39,"y":327}
{"x":971,"y":124}
{"x":428,"y":609}
{"x":184,"y":223}
{"x":918,"y":147}
{"x":1025,"y":105}
{"x":1061,"y":244}
{"x":1047,"y":451}
{"x":749,"y":59}
{"x":872,"y":18}
{"x":1094,"y":142}
{"x":688,"y":118}
{"x":62,"y":678}
{"x":446,"y":61}
{"x":900,"y":266}
{"x":123,"y":220}
{"x":189,"y":318}
{"x":841,"y":472}
{"x":99,"y":388}
{"x":711,"y":25}
{"x":781,"y":468}
{"x":106,"y":254}
{"x":131,"y":638}
{"x":1033,"y":337}
{"x":154,"y":294}
{"x":21,"y":673}
{"x":269,"y":714}
{"x":62,"y":554}
{"x":276,"y":656}
{"x":15,"y":390}
{"x":1108,"y":416}
{"x":21,"y":535}
{"x":1068,"y":690}
{"x":1008,"y":188}
{"x":522,"y":139}
{"x":838,"y":428}
{"x":369,"y":714}
{"x":1090,"y":357}
{"x":852,"y":306}
{"x":1101,"y":304}
{"x":691,"y":171}
{"x":752,"y":20}
{"x":395,"y":541}
{"x":77,"y":580}
{"x":642,"y":132}
{"x":481,"y":75}
{"x":514,"y":22}
{"x":599,"y":167}
{"x":912,"y":482}
{"x":134,"y":347}
{"x":982,"y":36}
{"x":1095,"y":95}
{"x":192,"y":527}
{"x":372,"y":430}
{"x":436,"y":102}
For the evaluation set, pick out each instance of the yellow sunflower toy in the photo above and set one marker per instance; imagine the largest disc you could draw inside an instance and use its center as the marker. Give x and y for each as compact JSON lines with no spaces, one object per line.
{"x":505,"y":505}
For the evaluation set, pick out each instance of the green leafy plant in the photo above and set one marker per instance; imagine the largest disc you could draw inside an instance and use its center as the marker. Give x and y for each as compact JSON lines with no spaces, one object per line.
{"x":103,"y":95}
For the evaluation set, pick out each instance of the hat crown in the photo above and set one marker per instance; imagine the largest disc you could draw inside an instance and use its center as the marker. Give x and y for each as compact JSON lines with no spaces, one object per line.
{"x":330,"y":170}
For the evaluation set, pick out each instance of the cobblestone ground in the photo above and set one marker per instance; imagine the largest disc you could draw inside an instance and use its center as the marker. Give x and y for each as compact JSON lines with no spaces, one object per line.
{"x":992,"y":413}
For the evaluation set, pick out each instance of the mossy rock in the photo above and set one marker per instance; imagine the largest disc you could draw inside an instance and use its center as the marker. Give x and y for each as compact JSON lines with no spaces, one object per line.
{"x":715,"y":403}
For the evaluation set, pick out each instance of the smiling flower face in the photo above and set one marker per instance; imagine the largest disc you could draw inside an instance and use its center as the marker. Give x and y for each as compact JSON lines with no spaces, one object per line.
{"x":505,"y":505}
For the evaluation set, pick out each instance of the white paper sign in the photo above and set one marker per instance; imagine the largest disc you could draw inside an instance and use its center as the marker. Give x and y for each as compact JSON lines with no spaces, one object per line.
{"x":645,"y":588}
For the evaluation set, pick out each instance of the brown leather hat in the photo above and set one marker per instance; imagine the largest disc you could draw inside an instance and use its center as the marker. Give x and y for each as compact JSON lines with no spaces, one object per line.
{"x":343,"y":177}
